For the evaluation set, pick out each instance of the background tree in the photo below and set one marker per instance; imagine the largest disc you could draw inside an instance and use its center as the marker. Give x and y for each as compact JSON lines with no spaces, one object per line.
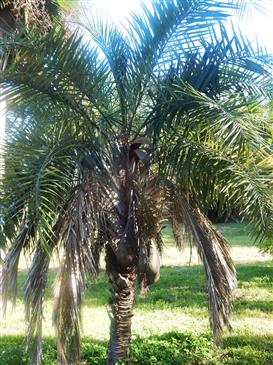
{"x":161,"y":120}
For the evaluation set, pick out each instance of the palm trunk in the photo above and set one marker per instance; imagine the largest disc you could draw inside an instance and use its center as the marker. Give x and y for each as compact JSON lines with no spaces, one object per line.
{"x":122,"y":302}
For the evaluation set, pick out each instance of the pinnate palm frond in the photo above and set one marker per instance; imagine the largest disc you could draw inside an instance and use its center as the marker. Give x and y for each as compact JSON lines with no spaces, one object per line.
{"x":225,"y":60}
{"x":234,"y":177}
{"x":77,"y":234}
{"x":57,"y":70}
{"x":167,"y":23}
{"x":177,"y":228}
{"x":118,"y":54}
{"x":214,"y":253}
{"x":36,"y":185}
{"x":165,"y":20}
{"x":232,"y":119}
{"x":8,"y":279}
{"x":201,"y":91}
{"x":251,"y":189}
{"x":34,"y":289}
{"x":69,"y":295}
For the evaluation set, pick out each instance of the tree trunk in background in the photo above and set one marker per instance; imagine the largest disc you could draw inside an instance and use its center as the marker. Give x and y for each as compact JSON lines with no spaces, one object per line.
{"x":123,"y":294}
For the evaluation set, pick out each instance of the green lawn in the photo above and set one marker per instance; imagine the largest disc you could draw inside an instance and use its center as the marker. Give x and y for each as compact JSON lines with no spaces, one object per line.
{"x":173,"y":316}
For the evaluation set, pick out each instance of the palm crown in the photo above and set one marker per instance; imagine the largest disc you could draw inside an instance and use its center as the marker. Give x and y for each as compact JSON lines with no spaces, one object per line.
{"x":109,"y":137}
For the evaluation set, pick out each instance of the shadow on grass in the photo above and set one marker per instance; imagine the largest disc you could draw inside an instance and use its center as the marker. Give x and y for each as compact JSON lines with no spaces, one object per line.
{"x":180,"y":286}
{"x":247,"y":350}
{"x":185,"y":287}
{"x":240,"y":305}
{"x":170,"y":348}
{"x":257,"y":274}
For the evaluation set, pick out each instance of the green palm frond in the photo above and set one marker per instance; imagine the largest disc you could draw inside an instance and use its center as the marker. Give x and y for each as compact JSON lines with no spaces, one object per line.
{"x":56,"y":71}
{"x":166,"y":20}
{"x":39,"y":175}
{"x":231,"y":120}
{"x":119,"y":55}
{"x":225,"y":61}
{"x":229,"y":176}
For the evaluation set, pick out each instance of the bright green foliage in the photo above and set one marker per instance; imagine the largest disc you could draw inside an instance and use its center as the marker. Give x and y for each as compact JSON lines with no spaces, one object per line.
{"x":171,"y":348}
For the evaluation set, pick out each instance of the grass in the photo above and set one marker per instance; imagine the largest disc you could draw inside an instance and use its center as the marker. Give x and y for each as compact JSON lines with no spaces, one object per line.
{"x":235,"y":233}
{"x":175,"y":305}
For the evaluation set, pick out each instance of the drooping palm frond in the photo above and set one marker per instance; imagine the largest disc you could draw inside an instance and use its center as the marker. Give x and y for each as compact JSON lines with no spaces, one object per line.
{"x":68,"y":294}
{"x":231,"y":120}
{"x":38,"y":184}
{"x":34,"y":289}
{"x":228,"y":128}
{"x":214,"y":253}
{"x":225,"y":69}
{"x":177,"y":228}
{"x":77,"y":234}
{"x":8,"y":280}
{"x":251,"y":190}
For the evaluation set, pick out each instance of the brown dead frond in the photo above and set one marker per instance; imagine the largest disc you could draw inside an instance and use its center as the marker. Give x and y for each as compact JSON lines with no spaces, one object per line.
{"x":214,"y":252}
{"x":78,"y":236}
{"x":149,"y":207}
{"x":177,"y":228}
{"x":8,"y":279}
{"x":34,"y":290}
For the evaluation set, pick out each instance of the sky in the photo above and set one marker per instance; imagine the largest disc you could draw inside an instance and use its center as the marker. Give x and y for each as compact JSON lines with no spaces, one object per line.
{"x":254,"y":24}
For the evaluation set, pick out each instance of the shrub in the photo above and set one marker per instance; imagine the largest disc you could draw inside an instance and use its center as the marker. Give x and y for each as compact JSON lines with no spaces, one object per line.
{"x":170,"y":348}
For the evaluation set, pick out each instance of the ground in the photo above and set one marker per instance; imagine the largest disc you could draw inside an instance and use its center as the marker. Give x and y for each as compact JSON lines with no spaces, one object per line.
{"x":175,"y":307}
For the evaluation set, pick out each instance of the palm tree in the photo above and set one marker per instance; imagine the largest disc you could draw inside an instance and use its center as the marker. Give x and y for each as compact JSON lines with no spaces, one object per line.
{"x":109,"y":137}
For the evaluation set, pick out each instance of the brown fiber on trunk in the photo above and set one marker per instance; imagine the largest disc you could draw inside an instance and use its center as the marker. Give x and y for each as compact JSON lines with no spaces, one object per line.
{"x":123,"y":294}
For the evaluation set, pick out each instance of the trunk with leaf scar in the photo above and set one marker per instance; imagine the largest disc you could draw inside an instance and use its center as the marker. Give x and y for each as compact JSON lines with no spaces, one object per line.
{"x":123,"y":294}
